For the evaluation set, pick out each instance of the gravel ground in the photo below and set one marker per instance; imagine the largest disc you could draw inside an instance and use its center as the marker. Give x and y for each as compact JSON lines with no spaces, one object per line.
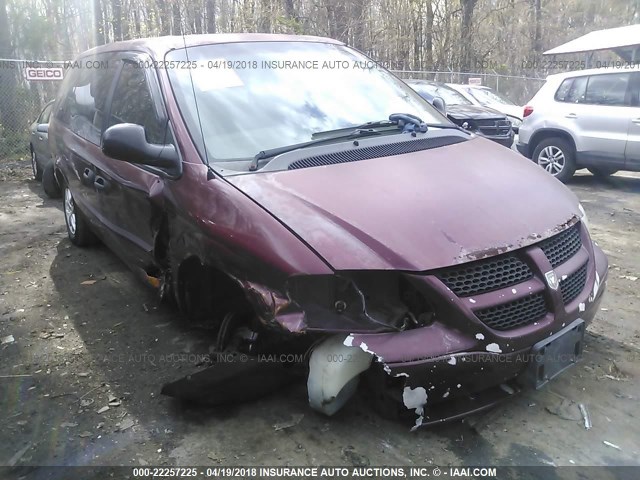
{"x":80,"y":334}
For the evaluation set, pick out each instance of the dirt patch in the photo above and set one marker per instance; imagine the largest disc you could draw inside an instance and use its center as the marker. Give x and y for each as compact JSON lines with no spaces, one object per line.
{"x":90,"y":348}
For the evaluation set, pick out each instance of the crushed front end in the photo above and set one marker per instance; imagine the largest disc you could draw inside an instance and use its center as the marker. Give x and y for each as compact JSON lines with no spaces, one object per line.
{"x":477,"y":331}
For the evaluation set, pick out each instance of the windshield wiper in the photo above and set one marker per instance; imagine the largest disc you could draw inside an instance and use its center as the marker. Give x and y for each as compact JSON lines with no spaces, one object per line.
{"x":364,"y":126}
{"x":407,"y":122}
{"x":272,"y":152}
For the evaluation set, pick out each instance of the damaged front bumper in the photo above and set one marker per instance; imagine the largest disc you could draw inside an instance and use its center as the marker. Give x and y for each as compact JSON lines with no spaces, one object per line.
{"x":439,"y":363}
{"x":428,"y":345}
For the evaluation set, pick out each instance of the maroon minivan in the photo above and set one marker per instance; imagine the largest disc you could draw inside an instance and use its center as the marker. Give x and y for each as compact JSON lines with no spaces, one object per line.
{"x":304,"y":202}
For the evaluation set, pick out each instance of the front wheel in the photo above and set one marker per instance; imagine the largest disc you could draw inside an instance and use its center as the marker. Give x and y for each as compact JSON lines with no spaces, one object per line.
{"x":78,"y":228}
{"x":557,"y":157}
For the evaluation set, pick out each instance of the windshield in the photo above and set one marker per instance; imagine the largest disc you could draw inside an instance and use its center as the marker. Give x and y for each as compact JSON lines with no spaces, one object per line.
{"x":449,"y":95}
{"x":485,"y":96}
{"x":256,"y":96}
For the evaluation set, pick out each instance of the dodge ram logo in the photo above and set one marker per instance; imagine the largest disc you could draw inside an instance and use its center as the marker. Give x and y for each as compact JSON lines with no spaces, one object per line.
{"x":552,"y":280}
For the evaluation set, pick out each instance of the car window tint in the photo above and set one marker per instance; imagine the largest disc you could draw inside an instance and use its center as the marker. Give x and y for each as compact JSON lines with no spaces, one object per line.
{"x":607,"y":89}
{"x":84,"y":105}
{"x":572,"y":90}
{"x":132,"y":103}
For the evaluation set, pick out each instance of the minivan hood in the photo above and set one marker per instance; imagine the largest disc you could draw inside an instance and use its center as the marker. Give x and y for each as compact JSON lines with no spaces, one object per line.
{"x":473,"y":112}
{"x":416,"y":211}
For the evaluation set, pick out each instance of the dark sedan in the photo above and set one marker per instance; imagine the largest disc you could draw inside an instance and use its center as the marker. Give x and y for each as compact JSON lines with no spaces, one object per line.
{"x":480,"y":120}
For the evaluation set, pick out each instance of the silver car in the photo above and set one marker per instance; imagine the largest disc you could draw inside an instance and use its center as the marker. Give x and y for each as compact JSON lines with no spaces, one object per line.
{"x":584,"y":119}
{"x":39,"y":142}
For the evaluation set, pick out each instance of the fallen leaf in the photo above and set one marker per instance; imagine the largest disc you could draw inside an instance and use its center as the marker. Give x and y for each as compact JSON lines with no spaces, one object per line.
{"x":295,"y":419}
{"x":18,"y":455}
{"x":88,"y":282}
{"x":566,"y":410}
{"x":124,"y":424}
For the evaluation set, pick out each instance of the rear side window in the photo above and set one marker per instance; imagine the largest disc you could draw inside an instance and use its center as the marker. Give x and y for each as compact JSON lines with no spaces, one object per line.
{"x":83,"y":107}
{"x":608,"y":89}
{"x":572,"y":90}
{"x":133,"y":103}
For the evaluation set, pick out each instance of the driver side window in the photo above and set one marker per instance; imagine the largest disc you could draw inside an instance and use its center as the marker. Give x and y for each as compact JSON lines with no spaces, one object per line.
{"x":132,"y":103}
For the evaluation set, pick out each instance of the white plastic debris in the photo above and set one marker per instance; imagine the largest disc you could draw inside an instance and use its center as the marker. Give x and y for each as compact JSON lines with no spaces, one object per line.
{"x":585,"y":416}
{"x":8,"y":339}
{"x":612,"y":445}
{"x":332,"y":382}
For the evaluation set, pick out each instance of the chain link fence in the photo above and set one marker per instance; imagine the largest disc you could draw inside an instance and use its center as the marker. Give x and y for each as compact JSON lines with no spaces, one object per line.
{"x":26,"y":86}
{"x":518,"y":89}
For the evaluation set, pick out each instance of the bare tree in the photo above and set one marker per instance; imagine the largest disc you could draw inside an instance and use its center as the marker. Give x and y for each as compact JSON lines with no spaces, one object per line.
{"x":211,"y":16}
{"x":466,"y":47}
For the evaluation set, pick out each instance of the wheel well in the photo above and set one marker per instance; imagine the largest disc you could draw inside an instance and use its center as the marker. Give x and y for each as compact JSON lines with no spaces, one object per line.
{"x":545,"y":134}
{"x":216,"y":293}
{"x":161,"y":243}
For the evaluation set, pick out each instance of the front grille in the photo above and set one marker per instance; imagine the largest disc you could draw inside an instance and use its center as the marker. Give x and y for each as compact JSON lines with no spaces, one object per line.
{"x":376,"y":151}
{"x":562,"y":246}
{"x":490,"y":122}
{"x":571,"y":286}
{"x":507,"y":270}
{"x":485,"y":275}
{"x":494,"y":127}
{"x":514,"y":314}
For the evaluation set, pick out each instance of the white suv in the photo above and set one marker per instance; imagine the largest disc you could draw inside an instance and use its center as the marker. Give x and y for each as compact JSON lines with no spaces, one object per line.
{"x":584,"y":119}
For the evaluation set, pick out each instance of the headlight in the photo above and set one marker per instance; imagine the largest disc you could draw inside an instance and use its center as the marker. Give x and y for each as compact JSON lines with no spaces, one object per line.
{"x":583,"y":216}
{"x":360,"y":301}
{"x":516,"y":122}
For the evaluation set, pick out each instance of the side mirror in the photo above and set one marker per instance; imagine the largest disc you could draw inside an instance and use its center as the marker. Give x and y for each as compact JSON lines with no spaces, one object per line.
{"x":128,"y":143}
{"x":43,"y":128}
{"x":440,"y":105}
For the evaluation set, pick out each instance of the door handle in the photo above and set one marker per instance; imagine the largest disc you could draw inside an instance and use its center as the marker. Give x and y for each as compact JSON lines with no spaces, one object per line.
{"x":571,"y":115}
{"x":88,"y":175}
{"x":636,"y":121}
{"x":100,"y":183}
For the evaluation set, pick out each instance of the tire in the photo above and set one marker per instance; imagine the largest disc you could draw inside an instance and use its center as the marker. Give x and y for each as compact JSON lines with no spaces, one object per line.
{"x":78,"y":228}
{"x":557,"y":157}
{"x":50,"y":183}
{"x":602,"y":172}
{"x":37,"y":171}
